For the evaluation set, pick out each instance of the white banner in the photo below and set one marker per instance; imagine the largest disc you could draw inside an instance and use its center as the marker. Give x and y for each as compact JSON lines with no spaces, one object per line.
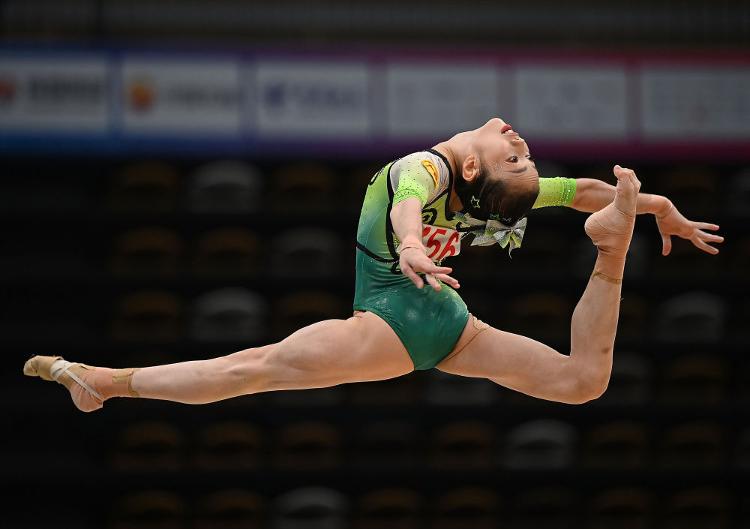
{"x":436,"y":101}
{"x":571,"y":102}
{"x":311,"y":99}
{"x":695,"y":103}
{"x":54,"y":95}
{"x":181,"y":97}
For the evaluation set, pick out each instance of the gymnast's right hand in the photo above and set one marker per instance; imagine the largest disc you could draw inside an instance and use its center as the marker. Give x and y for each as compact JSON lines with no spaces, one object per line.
{"x":413,"y":261}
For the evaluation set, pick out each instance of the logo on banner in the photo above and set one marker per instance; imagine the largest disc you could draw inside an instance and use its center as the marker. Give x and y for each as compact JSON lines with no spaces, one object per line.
{"x":305,"y":99}
{"x":306,"y":95}
{"x":7,"y":90}
{"x":58,"y":90}
{"x":141,"y":94}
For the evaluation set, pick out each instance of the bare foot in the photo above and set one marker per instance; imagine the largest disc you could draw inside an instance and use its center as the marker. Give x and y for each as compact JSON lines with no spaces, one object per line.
{"x":611,"y":228}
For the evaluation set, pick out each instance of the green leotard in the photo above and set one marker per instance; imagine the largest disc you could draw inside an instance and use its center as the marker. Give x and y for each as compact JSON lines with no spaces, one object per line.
{"x":428,"y":323}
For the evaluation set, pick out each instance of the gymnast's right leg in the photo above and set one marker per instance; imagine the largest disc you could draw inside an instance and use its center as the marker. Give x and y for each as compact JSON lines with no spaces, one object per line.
{"x":327,"y":353}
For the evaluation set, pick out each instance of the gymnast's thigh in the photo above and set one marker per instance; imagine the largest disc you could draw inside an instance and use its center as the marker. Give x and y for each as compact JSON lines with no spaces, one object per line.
{"x":330,"y":352}
{"x":511,"y":360}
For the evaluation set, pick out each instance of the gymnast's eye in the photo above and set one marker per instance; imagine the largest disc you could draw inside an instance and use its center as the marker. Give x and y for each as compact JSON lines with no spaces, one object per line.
{"x":513,"y":159}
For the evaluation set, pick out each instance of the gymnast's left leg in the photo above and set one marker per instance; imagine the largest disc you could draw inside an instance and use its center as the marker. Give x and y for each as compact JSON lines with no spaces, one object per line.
{"x":327,"y":353}
{"x":533,"y":368}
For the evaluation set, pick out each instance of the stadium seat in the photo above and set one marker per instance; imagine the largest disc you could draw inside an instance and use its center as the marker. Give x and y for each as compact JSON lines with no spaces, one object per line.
{"x":145,"y":186}
{"x":475,"y":507}
{"x":304,"y":188}
{"x":228,"y":252}
{"x":696,"y":380}
{"x":304,"y":308}
{"x":149,"y":509}
{"x":702,"y":508}
{"x":308,"y":445}
{"x":691,"y":317}
{"x":463,"y":445}
{"x":230,"y":509}
{"x":229,"y":314}
{"x":153,"y":316}
{"x":620,"y":509}
{"x":225,"y":186}
{"x":230,"y":446}
{"x":149,"y":446}
{"x":616,"y":445}
{"x":694,"y":445}
{"x":389,"y":508}
{"x":541,"y":315}
{"x":381,"y":444}
{"x":319,"y":250}
{"x":546,"y":508}
{"x":540,"y":444}
{"x":151,"y":250}
{"x":311,"y":508}
{"x":631,"y":382}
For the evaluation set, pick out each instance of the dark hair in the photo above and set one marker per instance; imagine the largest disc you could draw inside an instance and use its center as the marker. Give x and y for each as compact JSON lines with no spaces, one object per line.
{"x":500,"y":198}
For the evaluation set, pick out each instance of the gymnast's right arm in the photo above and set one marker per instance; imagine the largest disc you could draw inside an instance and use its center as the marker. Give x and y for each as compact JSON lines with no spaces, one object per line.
{"x":406,"y":218}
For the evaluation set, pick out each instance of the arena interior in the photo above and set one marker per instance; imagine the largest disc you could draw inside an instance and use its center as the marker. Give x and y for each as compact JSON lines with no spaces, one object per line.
{"x":183,"y":179}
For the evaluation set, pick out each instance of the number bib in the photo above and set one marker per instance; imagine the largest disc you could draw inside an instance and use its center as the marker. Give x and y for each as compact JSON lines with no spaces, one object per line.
{"x":440,"y":243}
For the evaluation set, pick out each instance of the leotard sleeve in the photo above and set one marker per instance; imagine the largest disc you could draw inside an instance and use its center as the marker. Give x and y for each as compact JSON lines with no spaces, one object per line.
{"x":417,"y":178}
{"x":556,"y":191}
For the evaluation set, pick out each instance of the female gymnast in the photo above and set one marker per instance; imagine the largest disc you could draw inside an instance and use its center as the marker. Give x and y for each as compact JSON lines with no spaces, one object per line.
{"x":480,"y":183}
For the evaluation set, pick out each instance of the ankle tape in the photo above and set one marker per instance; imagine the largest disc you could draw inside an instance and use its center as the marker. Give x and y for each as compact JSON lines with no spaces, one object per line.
{"x":605,"y":277}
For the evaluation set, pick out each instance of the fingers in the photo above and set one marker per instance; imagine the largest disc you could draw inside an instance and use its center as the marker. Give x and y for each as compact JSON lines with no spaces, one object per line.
{"x":705,"y":247}
{"x":409,"y":272}
{"x":701,"y":239}
{"x":666,"y":241}
{"x":448,"y":280}
{"x":434,"y":269}
{"x":434,"y":283}
{"x":417,"y":264}
{"x":711,"y":237}
{"x":706,"y":226}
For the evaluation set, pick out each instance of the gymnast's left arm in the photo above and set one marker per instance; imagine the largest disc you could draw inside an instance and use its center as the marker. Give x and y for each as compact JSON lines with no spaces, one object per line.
{"x":590,"y":195}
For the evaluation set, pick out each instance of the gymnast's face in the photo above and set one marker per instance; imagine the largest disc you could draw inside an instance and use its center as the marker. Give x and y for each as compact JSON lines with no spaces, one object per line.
{"x":505,"y":154}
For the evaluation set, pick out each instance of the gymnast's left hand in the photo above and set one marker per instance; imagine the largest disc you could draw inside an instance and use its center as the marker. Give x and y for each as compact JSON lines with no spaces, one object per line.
{"x":674,"y":223}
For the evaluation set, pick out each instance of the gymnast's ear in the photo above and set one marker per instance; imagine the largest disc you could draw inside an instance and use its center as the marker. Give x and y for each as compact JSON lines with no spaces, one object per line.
{"x":471,"y":168}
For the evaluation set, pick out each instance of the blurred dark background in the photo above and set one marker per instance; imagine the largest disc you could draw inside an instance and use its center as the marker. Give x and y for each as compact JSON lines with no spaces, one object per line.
{"x":130,"y":240}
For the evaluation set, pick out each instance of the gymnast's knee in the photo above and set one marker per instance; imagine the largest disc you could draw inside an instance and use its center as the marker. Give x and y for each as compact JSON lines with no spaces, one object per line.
{"x":588,"y":385}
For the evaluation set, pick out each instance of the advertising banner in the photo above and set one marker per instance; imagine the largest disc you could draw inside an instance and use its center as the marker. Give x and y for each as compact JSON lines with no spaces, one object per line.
{"x":571,"y":102}
{"x":54,"y":95}
{"x":311,"y":99}
{"x":370,"y":102}
{"x":438,"y":100}
{"x":181,"y":97}
{"x":692,"y":103}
